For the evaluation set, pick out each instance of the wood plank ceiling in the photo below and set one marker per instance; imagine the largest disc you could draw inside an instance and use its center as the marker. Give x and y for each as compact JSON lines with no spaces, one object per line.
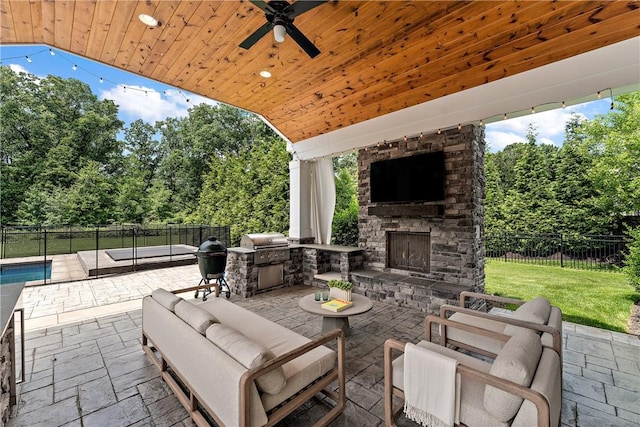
{"x":376,"y":57}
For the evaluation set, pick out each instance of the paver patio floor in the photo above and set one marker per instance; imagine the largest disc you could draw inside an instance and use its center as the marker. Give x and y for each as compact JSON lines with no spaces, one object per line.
{"x":85,"y":365}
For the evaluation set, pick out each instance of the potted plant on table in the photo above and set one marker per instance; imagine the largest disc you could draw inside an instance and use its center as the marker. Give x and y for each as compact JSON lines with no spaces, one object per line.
{"x":340,"y":289}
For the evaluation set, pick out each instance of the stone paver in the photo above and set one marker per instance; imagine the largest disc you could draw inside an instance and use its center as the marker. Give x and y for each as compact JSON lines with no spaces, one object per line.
{"x":85,"y":367}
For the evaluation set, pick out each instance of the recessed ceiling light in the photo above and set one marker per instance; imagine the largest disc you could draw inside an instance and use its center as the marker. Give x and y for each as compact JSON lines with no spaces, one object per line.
{"x":265,"y":74}
{"x":148,"y":20}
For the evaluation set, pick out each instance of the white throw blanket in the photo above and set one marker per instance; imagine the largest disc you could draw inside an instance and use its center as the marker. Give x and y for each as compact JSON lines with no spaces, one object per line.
{"x":430,"y":391}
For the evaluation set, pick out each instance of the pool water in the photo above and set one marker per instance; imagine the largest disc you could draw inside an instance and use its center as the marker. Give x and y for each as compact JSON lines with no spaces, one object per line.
{"x":24,"y":272}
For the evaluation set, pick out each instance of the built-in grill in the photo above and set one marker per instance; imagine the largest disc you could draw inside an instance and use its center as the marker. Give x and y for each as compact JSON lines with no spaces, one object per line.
{"x":271,"y":251}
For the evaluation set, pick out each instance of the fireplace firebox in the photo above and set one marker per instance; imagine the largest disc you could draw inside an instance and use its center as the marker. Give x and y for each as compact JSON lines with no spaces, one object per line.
{"x":410,"y":251}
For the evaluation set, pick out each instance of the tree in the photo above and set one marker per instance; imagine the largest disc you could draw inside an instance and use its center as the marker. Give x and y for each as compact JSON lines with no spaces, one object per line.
{"x":530,"y":204}
{"x":144,"y":151}
{"x":614,"y":142}
{"x":345,"y":219}
{"x":90,"y":199}
{"x":248,"y":190}
{"x":632,"y":259}
{"x":51,"y":127}
{"x":573,"y":189}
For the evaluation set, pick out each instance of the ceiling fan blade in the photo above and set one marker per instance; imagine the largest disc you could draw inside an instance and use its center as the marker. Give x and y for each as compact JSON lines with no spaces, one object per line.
{"x":300,"y":7}
{"x":257,"y":35}
{"x":302,"y":40}
{"x":263,"y":5}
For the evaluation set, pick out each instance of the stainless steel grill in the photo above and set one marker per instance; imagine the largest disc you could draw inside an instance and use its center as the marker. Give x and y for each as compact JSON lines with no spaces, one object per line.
{"x":272,"y":250}
{"x":259,"y":241}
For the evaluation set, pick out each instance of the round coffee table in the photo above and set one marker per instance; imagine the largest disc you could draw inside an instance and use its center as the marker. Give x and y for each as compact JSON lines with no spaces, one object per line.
{"x":339,"y":320}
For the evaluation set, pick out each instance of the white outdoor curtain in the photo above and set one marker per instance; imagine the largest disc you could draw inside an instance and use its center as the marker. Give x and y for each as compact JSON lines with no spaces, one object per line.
{"x":323,"y":200}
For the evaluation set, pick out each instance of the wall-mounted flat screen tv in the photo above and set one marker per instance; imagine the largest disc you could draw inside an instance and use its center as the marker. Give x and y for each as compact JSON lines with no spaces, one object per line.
{"x":417,"y":178}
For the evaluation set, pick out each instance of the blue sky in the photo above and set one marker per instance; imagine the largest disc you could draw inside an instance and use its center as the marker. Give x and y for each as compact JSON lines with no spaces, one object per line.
{"x":142,"y":98}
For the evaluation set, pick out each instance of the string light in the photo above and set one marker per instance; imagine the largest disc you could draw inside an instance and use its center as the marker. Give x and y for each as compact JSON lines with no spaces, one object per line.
{"x":74,"y":66}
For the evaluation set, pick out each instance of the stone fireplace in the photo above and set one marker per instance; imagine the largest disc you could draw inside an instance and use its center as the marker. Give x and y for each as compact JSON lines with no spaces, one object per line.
{"x":423,"y":254}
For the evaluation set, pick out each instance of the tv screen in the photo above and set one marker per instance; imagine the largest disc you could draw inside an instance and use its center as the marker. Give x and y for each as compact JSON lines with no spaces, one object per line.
{"x":417,"y":178}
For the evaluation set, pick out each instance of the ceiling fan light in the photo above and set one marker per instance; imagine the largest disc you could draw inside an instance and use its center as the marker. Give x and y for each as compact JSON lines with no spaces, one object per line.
{"x":279,"y":31}
{"x":148,"y":20}
{"x":265,"y":74}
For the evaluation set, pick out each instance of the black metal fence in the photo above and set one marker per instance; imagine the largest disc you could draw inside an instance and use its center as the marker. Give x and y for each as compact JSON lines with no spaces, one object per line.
{"x":598,"y":252}
{"x":40,"y":241}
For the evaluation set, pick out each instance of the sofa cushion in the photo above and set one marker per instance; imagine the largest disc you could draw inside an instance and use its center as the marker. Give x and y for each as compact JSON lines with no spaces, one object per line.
{"x":248,"y":353}
{"x":196,"y":317}
{"x":536,"y":310}
{"x":166,"y":298}
{"x":517,"y":362}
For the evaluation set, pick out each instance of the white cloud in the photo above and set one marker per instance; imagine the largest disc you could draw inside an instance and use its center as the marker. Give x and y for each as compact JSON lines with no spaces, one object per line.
{"x":140,"y":102}
{"x":17,"y":68}
{"x":550,"y":126}
{"x":497,"y":139}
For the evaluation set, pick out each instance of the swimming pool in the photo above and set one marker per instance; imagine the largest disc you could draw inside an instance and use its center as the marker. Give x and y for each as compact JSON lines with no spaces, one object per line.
{"x":24,"y":272}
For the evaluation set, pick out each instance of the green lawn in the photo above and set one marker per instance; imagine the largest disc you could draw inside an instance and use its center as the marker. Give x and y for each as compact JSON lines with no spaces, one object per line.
{"x":586,"y":297}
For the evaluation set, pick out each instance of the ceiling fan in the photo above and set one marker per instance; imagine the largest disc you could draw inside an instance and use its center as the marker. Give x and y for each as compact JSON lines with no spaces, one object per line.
{"x":280,"y":16}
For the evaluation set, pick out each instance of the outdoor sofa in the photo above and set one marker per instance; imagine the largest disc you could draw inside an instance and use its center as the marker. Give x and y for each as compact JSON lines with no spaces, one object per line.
{"x":520,"y":387}
{"x":242,"y":369}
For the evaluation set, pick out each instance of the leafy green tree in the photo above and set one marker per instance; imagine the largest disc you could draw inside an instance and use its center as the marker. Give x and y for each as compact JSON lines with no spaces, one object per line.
{"x":143,"y":151}
{"x":573,"y":188}
{"x":345,"y":219}
{"x":613,"y":140}
{"x":494,"y":196}
{"x":632,"y":259}
{"x":160,"y":208}
{"x":51,"y":127}
{"x":34,"y":206}
{"x":90,"y":199}
{"x":131,"y":205}
{"x":530,"y":205}
{"x":248,"y":190}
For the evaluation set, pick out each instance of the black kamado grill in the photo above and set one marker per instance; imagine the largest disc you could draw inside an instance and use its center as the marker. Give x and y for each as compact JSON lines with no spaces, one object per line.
{"x":212,"y":260}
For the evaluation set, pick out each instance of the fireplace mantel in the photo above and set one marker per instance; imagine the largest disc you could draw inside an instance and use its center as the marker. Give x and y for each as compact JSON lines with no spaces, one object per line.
{"x":426,"y":210}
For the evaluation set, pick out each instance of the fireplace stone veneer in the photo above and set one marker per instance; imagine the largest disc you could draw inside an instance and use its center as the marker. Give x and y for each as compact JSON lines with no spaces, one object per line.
{"x":455,"y":225}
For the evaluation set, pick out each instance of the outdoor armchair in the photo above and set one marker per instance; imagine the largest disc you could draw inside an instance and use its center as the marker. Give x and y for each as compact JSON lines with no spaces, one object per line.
{"x":537,"y":314}
{"x":521,"y":387}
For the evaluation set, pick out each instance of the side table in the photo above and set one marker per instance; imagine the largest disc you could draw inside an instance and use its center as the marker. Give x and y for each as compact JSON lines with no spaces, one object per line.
{"x":339,"y":320}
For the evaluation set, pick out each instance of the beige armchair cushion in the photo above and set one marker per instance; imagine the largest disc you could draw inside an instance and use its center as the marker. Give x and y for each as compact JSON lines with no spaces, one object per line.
{"x":536,"y":310}
{"x":194,"y":316}
{"x":517,"y":362}
{"x":248,"y":353}
{"x":166,"y":298}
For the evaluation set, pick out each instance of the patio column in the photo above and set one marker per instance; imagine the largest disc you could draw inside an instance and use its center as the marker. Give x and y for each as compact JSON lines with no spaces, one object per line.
{"x":300,"y":202}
